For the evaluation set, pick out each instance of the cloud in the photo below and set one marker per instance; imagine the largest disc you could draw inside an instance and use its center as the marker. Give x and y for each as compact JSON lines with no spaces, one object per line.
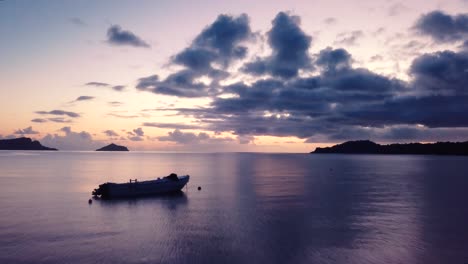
{"x":70,"y":140}
{"x":181,"y":84}
{"x":188,"y":138}
{"x":349,"y":38}
{"x":399,"y":133}
{"x":115,"y":103}
{"x":98,"y":84}
{"x":136,"y":134}
{"x":330,"y":21}
{"x":430,"y":111}
{"x":397,"y":8}
{"x":139,"y":132}
{"x":39,"y":120}
{"x":59,"y":112}
{"x":443,"y":72}
{"x":443,"y":27}
{"x":8,"y":137}
{"x":221,"y":42}
{"x":77,"y":21}
{"x":84,"y":98}
{"x":170,"y":125}
{"x":305,"y":106}
{"x":196,"y":59}
{"x":110,"y":133}
{"x":464,"y":46}
{"x":59,"y":120}
{"x":379,"y":31}
{"x":118,"y":88}
{"x":333,"y":60}
{"x":376,"y":58}
{"x":289,"y":46}
{"x":245,"y":139}
{"x":135,"y":138}
{"x":330,"y":100}
{"x":123,"y":116}
{"x":208,"y":55}
{"x":117,"y":36}
{"x":224,"y":37}
{"x":26,"y":131}
{"x":52,"y":119}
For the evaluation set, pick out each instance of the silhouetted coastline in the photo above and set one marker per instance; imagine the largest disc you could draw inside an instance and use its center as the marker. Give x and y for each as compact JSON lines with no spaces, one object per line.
{"x":369,"y":147}
{"x":113,"y":147}
{"x":22,"y":143}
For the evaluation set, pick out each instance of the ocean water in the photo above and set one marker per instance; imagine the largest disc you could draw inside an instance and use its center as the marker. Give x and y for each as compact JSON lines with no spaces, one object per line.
{"x":253,"y":208}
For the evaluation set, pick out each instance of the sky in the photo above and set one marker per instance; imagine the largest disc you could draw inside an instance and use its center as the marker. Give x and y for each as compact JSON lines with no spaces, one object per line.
{"x":212,"y":76}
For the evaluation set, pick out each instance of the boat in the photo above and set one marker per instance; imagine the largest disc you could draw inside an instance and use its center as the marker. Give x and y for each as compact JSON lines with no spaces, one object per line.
{"x":135,"y":188}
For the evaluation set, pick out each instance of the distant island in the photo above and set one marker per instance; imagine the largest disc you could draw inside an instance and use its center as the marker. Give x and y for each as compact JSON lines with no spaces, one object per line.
{"x":22,"y":143}
{"x":113,"y":147}
{"x":369,"y":147}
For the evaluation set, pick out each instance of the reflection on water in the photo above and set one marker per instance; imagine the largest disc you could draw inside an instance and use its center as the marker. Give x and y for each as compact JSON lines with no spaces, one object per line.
{"x":275,"y":208}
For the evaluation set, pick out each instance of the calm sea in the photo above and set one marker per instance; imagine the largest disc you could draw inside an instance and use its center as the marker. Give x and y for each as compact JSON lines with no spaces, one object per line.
{"x":253,"y":208}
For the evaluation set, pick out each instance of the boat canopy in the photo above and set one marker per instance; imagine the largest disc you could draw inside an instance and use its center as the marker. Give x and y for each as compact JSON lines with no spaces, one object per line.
{"x":172,"y":177}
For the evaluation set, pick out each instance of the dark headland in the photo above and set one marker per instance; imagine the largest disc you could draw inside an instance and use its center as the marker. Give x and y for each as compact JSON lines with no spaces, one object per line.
{"x":113,"y":147}
{"x":369,"y":147}
{"x":22,"y":143}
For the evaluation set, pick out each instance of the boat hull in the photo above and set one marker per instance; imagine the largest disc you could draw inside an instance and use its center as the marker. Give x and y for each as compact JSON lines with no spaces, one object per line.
{"x":144,"y":188}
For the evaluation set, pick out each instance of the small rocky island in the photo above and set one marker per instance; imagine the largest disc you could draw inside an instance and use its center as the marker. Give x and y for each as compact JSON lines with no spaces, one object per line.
{"x":369,"y":147}
{"x":22,"y":143}
{"x":113,"y":147}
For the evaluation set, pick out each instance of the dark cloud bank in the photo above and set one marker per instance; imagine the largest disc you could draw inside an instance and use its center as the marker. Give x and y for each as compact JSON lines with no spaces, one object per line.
{"x":209,"y":54}
{"x":317,"y":95}
{"x":443,"y":27}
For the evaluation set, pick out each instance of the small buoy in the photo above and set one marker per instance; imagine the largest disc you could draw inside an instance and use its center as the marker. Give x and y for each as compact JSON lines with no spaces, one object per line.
{"x":90,"y":201}
{"x":199,"y":188}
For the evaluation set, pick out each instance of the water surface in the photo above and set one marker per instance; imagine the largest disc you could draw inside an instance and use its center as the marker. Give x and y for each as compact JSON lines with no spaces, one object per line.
{"x":253,"y":208}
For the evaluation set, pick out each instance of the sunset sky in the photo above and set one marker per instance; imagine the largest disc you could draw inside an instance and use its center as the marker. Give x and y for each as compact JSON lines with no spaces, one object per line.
{"x":276,"y":76}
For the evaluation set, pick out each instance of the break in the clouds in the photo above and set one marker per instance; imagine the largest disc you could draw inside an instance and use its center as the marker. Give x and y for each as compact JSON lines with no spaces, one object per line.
{"x":209,"y":54}
{"x":59,"y":112}
{"x":443,"y":27}
{"x":290,"y":46}
{"x":26,"y":131}
{"x":117,"y":36}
